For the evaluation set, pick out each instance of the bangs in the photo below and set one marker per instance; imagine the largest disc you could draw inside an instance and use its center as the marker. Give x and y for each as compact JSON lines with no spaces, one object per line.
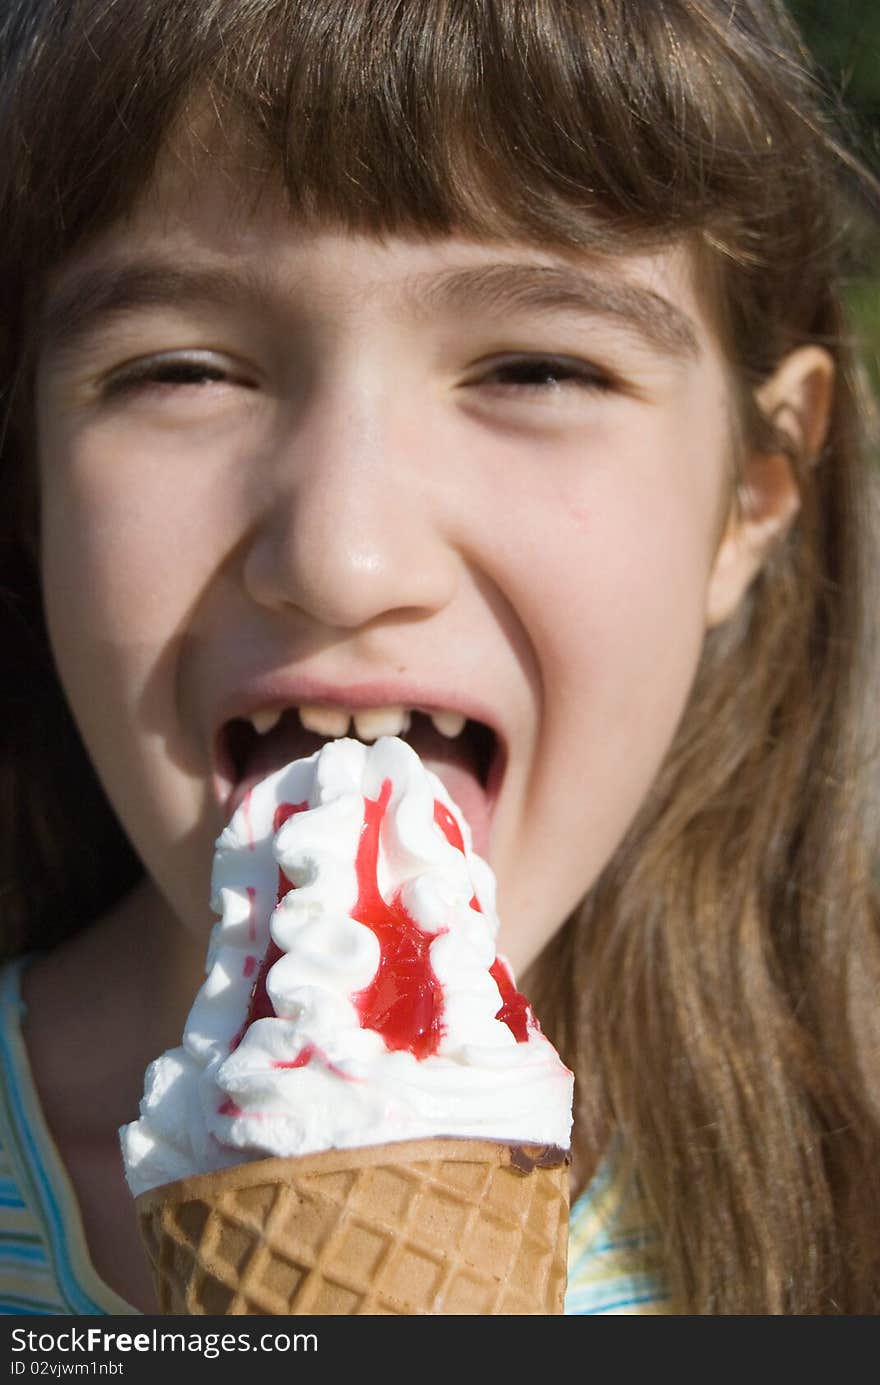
{"x":580,"y":123}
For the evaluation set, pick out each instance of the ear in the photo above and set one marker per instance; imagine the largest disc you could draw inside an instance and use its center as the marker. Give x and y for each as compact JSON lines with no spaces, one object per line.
{"x":797,"y":397}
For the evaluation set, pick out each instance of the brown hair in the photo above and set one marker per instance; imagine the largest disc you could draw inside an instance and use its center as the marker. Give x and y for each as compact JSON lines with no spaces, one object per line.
{"x":716,"y":992}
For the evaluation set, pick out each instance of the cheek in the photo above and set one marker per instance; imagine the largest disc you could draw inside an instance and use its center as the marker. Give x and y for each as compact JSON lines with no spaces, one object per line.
{"x":126,"y":552}
{"x":616,"y":615}
{"x":620,"y":577}
{"x":127,"y":544}
{"x":639,"y":595}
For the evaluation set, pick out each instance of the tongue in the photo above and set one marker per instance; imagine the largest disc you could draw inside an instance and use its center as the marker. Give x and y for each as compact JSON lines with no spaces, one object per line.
{"x":454,"y":765}
{"x":453,"y":761}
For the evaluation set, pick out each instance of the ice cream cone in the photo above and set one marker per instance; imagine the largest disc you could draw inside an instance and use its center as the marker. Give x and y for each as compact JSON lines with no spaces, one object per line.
{"x":435,"y":1226}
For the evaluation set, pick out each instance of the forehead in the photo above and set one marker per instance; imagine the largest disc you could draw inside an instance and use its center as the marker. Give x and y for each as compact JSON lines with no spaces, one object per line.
{"x":212,"y":232}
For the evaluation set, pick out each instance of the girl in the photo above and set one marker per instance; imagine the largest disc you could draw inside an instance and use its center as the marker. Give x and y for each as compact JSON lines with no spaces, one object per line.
{"x":482,"y":362}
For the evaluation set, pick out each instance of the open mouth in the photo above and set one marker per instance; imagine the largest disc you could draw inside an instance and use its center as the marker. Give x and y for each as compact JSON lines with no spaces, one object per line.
{"x":466,"y":755}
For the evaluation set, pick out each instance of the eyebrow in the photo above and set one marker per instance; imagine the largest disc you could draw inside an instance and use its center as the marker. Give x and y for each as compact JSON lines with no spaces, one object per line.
{"x":92,"y":298}
{"x":536,"y":288}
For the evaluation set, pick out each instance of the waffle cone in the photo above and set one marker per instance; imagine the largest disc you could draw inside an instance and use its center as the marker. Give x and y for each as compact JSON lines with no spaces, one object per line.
{"x":441,"y":1226}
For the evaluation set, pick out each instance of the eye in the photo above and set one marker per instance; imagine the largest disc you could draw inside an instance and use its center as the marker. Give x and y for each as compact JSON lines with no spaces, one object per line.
{"x":175,"y":371}
{"x":545,"y":374}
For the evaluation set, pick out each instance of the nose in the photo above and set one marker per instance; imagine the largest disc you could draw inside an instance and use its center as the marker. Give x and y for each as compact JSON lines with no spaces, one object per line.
{"x":351,"y":524}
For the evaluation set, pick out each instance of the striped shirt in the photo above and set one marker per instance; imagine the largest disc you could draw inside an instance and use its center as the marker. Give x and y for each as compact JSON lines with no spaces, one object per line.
{"x":44,"y":1260}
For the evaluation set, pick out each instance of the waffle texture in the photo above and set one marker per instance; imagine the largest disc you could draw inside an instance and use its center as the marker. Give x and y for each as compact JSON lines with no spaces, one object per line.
{"x":422,"y":1226}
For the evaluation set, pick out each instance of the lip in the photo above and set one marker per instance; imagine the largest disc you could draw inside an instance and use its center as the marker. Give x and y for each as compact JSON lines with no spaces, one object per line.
{"x":279,"y":691}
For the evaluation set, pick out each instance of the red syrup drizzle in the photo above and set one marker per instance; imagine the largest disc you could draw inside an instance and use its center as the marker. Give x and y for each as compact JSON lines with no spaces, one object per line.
{"x":452,"y":832}
{"x":305,"y":1056}
{"x":404,"y":1000}
{"x":515,"y":1011}
{"x":229,"y":1108}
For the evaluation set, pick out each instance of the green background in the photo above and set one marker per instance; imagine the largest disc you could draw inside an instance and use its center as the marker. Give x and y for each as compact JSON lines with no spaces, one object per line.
{"x":844,"y":38}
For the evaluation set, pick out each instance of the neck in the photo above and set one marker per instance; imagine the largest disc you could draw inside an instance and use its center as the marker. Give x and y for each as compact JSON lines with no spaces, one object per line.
{"x":104,"y":1004}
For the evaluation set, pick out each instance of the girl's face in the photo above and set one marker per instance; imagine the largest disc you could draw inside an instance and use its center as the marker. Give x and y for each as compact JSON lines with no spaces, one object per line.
{"x":284,"y":469}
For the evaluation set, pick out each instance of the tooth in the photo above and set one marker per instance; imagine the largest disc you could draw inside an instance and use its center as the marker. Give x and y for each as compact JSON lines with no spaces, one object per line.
{"x":264,"y":721}
{"x":372,"y":722}
{"x":325,"y":721}
{"x":449,"y":724}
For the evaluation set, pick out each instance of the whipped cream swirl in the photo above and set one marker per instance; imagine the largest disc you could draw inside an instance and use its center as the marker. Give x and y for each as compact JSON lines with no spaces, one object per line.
{"x":353,"y":994}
